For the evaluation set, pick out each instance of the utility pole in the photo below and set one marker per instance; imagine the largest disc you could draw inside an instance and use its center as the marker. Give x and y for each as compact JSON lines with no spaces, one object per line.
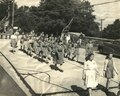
{"x":13,"y":11}
{"x":101,"y":26}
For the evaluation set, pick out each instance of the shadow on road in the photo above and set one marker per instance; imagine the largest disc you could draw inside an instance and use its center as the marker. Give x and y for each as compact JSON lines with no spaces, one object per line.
{"x":118,"y":94}
{"x":53,"y":67}
{"x":80,"y":91}
{"x":108,"y":93}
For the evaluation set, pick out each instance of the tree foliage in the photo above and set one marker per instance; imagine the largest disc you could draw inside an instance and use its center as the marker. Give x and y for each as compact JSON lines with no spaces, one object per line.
{"x":54,"y":15}
{"x":6,"y":6}
{"x":51,"y":16}
{"x":112,"y":31}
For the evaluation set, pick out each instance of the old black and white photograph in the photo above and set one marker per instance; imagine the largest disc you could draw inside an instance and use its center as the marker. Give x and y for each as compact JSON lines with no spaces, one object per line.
{"x":59,"y":47}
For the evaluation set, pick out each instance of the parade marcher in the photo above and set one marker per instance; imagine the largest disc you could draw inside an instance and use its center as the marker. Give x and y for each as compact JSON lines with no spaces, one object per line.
{"x":45,"y":50}
{"x":74,"y":49}
{"x":41,"y":43}
{"x":67,"y":49}
{"x":79,"y":41}
{"x":29,"y":46}
{"x":13,"y":42}
{"x":60,"y":53}
{"x":22,"y":39}
{"x":36,"y":47}
{"x":17,"y":34}
{"x":109,"y":69}
{"x":89,"y":74}
{"x":25,"y":43}
{"x":49,"y":49}
{"x":88,"y":49}
{"x":54,"y":52}
{"x":67,"y":37}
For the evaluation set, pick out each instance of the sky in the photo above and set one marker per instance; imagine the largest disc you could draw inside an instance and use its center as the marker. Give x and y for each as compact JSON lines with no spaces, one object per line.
{"x":108,"y":12}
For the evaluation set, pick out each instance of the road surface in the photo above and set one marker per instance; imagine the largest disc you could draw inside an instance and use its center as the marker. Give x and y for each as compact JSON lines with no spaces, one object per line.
{"x":47,"y":80}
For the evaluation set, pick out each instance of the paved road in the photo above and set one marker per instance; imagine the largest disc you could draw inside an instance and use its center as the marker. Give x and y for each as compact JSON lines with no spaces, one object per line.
{"x":46,"y":79}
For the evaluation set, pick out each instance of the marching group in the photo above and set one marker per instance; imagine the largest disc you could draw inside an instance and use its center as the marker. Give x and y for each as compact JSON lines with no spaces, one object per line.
{"x":57,"y":48}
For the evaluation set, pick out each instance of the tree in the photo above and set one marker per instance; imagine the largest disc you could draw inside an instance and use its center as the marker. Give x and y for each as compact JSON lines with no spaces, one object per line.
{"x":24,"y":19}
{"x":3,"y":9}
{"x":51,"y":16}
{"x":85,"y":20}
{"x":6,"y":10}
{"x":56,"y":14}
{"x":112,"y":31}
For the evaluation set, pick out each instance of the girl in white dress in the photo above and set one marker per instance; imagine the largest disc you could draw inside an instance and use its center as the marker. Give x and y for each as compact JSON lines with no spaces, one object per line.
{"x":90,"y":73}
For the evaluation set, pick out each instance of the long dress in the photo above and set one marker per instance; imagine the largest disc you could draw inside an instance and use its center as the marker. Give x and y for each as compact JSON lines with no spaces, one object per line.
{"x":90,"y":68}
{"x":109,"y":68}
{"x":60,"y":54}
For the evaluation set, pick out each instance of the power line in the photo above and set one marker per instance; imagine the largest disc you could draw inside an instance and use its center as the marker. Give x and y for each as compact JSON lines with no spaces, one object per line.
{"x":104,"y":3}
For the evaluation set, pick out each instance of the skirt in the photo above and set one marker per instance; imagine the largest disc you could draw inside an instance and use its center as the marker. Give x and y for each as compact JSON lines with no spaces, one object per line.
{"x":109,"y":73}
{"x":91,"y":79}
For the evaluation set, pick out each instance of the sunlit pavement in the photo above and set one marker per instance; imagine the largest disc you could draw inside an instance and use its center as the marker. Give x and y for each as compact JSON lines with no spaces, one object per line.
{"x":44,"y":80}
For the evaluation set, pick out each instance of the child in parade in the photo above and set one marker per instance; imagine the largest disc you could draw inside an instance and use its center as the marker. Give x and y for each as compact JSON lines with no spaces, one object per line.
{"x":109,"y":69}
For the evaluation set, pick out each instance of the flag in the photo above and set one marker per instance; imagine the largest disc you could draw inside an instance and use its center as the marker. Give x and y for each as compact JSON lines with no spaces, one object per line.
{"x":4,"y":23}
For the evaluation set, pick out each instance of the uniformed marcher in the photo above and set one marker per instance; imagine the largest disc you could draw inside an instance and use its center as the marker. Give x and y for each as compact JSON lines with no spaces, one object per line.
{"x":78,"y":49}
{"x":74,"y":54}
{"x":36,"y":47}
{"x":45,"y":50}
{"x":60,"y":53}
{"x":29,"y":46}
{"x":54,"y":52}
{"x":13,"y":42}
{"x":22,"y":39}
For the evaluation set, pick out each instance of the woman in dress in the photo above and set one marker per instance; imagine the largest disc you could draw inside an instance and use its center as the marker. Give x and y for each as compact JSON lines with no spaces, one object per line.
{"x":109,"y":69}
{"x":60,"y":53}
{"x":90,"y":74}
